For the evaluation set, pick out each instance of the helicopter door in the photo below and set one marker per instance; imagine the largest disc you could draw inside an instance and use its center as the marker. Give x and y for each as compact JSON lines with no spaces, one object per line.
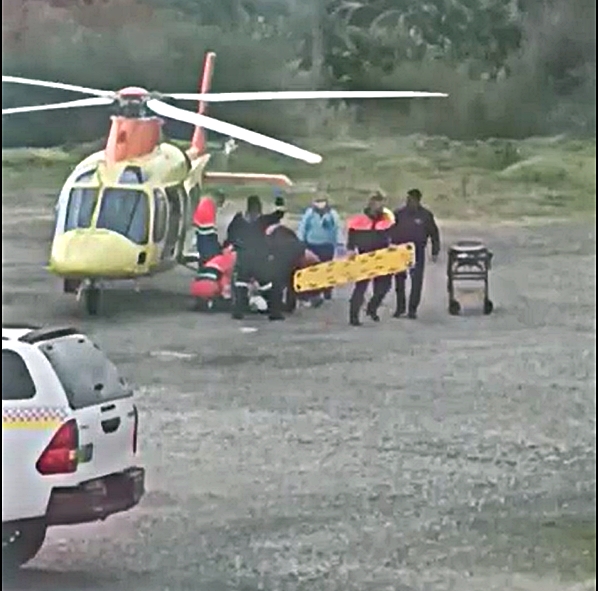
{"x":160,"y":225}
{"x":174,"y":222}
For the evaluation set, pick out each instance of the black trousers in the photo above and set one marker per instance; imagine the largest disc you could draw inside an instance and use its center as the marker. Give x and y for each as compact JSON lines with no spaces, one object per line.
{"x":381,"y":286}
{"x":417,"y":283}
{"x":263,"y":271}
{"x":325,"y":252}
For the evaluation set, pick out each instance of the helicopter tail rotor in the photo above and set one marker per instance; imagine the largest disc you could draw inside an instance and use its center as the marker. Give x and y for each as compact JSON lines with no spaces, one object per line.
{"x":198,"y":141}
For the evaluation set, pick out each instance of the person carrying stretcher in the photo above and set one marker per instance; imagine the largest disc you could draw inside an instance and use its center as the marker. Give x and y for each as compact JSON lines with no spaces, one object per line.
{"x":369,"y":231}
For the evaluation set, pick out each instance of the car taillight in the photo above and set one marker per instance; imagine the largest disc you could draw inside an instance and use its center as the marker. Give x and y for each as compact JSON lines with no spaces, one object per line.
{"x":60,"y":456}
{"x":135,"y":427}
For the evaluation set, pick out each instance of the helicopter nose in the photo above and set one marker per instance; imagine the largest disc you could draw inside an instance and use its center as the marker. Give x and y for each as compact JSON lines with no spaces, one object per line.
{"x":94,"y":253}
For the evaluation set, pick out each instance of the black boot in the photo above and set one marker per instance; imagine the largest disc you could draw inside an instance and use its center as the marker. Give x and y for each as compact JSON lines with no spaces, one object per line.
{"x":354,"y":315}
{"x":240,"y":302}
{"x":275,"y":303}
{"x":354,"y":320}
{"x":401,"y":298}
{"x":372,"y":312}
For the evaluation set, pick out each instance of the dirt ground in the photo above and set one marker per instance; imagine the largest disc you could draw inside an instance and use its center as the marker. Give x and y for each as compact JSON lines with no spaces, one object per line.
{"x":447,"y":453}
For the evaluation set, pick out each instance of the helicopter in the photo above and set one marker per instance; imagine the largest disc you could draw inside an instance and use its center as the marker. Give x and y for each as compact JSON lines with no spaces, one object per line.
{"x":124,"y":212}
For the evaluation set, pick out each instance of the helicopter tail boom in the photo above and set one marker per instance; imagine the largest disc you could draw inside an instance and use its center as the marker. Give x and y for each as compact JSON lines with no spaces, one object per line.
{"x":242,"y":178}
{"x":198,"y":141}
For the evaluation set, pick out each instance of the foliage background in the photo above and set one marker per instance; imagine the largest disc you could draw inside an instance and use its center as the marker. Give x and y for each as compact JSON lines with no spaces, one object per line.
{"x":513,"y":68}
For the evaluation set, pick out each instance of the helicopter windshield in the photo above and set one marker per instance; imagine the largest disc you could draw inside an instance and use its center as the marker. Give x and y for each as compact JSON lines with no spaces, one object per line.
{"x":125,"y":211}
{"x":80,"y":208}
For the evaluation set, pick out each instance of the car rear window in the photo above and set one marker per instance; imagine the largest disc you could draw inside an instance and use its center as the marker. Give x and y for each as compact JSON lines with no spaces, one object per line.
{"x":87,"y":375}
{"x":17,"y":383}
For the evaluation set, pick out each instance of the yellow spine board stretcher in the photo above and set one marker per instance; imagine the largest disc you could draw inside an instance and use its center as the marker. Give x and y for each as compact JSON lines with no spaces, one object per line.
{"x":363,"y":266}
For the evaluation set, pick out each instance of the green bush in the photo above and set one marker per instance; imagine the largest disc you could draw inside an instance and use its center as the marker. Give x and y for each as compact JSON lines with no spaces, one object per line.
{"x":165,"y":55}
{"x":508,"y":76}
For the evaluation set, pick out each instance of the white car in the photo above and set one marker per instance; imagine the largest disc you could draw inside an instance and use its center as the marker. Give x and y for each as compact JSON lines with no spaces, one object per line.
{"x":69,"y":437}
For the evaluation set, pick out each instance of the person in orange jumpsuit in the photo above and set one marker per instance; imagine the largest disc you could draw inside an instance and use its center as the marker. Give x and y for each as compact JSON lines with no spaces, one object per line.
{"x":211,"y":288}
{"x":204,"y":222}
{"x":369,"y":231}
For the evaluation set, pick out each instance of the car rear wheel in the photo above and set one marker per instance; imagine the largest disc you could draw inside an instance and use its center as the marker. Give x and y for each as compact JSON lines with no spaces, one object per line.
{"x":21,"y":542}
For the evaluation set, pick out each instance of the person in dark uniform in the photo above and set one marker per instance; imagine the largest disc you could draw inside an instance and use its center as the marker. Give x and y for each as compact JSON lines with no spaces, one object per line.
{"x":414,"y":223}
{"x":369,"y":231}
{"x":287,"y":253}
{"x":247,"y":233}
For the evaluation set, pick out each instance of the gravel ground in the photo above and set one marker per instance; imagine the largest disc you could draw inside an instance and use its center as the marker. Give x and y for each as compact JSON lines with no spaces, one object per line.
{"x":443,"y":453}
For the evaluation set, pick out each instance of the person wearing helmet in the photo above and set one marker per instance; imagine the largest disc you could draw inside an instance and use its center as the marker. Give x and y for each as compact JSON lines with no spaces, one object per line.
{"x":247,"y":234}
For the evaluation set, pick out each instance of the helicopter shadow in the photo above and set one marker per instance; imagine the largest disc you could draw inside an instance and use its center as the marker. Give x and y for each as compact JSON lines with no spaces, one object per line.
{"x":125,"y":304}
{"x":117,"y":304}
{"x":42,"y":579}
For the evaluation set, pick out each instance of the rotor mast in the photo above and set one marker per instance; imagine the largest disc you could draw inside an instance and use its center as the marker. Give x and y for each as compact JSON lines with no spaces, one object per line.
{"x":134,"y":130}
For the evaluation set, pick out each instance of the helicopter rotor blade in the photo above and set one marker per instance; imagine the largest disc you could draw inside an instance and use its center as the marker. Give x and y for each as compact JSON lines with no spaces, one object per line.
{"x":230,"y":97}
{"x":240,"y":133}
{"x":58,"y":86}
{"x":88,"y":102}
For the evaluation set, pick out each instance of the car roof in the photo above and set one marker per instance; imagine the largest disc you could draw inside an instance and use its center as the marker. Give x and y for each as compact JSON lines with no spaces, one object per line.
{"x":34,"y":334}
{"x":14,"y":332}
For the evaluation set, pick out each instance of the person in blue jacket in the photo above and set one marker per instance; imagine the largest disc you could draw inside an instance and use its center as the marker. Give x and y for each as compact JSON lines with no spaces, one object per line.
{"x":320,"y":229}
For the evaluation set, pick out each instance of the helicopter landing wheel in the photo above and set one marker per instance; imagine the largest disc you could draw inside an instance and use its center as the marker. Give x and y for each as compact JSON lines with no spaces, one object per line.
{"x":92,"y":300}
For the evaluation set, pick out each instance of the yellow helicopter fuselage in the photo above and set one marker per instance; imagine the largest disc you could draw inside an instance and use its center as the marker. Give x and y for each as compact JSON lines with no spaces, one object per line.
{"x":125,"y":219}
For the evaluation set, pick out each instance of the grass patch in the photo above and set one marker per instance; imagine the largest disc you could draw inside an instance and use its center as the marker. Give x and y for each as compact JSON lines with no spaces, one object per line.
{"x":496,"y":179}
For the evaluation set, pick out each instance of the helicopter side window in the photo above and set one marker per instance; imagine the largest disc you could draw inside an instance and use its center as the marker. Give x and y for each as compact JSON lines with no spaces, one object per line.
{"x":174,"y":219}
{"x":126,"y":212}
{"x":160,"y":216}
{"x":80,"y":208}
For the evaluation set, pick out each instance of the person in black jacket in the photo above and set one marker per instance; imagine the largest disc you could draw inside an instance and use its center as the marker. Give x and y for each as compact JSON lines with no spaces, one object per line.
{"x":247,"y":233}
{"x":414,"y":223}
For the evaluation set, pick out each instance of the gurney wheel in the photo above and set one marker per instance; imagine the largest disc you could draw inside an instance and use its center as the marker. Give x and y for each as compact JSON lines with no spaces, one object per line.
{"x":454,"y":308}
{"x":488,"y":307}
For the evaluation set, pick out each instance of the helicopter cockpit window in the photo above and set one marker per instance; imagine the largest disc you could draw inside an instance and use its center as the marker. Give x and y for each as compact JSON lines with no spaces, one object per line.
{"x":132,"y":175}
{"x":80,"y":208}
{"x":125,"y":211}
{"x":86,"y":176}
